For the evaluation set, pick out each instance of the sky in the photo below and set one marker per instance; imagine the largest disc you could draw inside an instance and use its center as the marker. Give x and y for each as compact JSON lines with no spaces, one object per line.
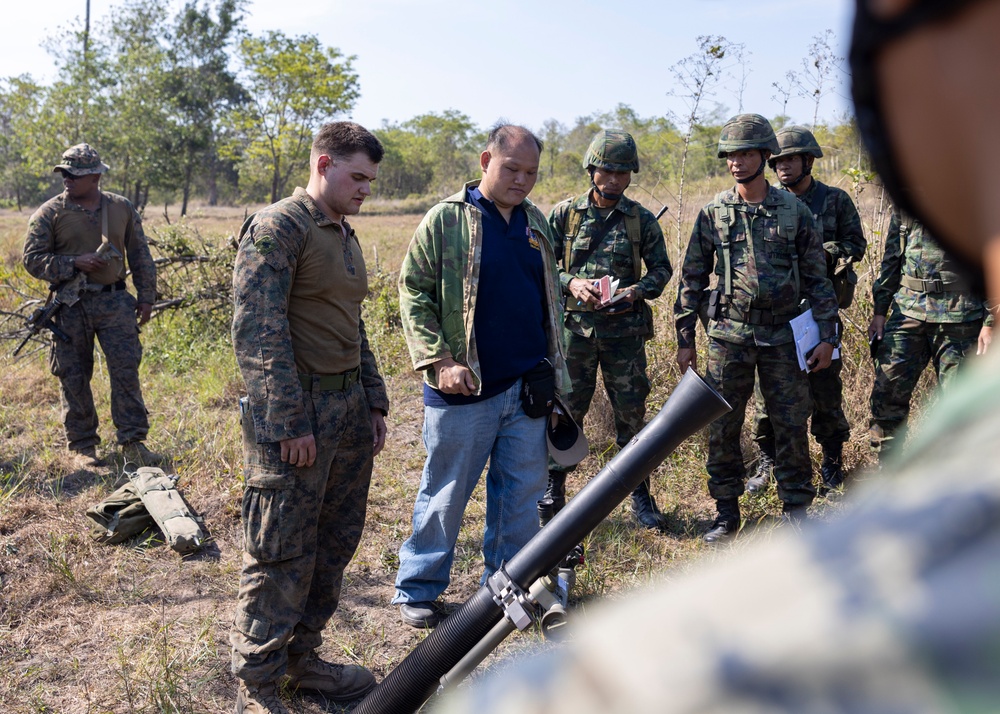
{"x":526,"y":61}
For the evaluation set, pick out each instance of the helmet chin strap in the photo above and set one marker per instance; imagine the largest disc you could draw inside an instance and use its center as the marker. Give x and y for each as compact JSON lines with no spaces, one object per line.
{"x":602,"y":194}
{"x":758,"y":172}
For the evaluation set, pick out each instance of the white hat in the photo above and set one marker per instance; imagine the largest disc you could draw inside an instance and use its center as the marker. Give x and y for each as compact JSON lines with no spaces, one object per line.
{"x":567,"y":444}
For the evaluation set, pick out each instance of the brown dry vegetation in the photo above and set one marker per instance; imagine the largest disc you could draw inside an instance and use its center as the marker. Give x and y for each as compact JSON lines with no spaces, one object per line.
{"x":136,"y":628}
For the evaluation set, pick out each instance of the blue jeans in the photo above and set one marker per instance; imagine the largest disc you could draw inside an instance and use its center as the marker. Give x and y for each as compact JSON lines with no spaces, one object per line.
{"x":459,"y":441}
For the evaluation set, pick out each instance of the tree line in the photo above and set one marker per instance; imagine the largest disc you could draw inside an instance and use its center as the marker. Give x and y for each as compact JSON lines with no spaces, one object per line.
{"x":191,"y":105}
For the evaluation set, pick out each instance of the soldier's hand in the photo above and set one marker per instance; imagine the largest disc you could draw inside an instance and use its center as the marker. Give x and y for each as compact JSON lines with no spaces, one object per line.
{"x":985,"y":339}
{"x":454,"y":378}
{"x":379,"y":430}
{"x":687,"y":357}
{"x":143,"y":311}
{"x":300,"y":451}
{"x":585,"y":292}
{"x":89,"y":262}
{"x":876,"y":328}
{"x":821,"y":357}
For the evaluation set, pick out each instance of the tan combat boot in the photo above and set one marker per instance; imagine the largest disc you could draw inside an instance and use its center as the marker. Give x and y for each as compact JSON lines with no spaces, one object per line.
{"x":87,"y":456}
{"x":259,"y":699}
{"x":339,"y":682}
{"x":137,"y":453}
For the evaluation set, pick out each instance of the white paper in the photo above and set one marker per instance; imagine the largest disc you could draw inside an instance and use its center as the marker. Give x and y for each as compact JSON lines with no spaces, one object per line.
{"x":805,"y":332}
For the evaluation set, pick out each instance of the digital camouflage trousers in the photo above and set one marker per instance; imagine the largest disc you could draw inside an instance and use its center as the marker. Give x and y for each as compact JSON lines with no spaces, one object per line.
{"x":301,"y":527}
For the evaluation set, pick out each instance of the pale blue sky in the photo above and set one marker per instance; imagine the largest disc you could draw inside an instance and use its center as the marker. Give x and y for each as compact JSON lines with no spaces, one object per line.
{"x":526,"y":61}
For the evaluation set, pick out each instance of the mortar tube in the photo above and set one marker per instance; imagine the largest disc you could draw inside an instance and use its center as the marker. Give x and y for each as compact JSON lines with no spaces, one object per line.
{"x":692,"y":406}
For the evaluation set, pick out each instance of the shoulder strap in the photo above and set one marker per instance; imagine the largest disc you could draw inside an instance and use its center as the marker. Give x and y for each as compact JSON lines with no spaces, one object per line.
{"x":788,"y":228}
{"x":725,"y":217}
{"x":818,"y":202}
{"x":574,"y":219}
{"x":633,"y":227}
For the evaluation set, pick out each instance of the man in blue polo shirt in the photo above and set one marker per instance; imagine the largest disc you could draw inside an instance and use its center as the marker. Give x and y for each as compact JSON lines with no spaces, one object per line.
{"x":480,"y":307}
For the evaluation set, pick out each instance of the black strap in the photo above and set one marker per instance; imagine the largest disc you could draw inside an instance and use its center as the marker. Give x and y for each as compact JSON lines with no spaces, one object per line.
{"x":595,"y":240}
{"x":818,"y":199}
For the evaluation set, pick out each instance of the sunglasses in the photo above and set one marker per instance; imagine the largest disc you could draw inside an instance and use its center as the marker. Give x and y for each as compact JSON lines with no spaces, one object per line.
{"x":67,"y":175}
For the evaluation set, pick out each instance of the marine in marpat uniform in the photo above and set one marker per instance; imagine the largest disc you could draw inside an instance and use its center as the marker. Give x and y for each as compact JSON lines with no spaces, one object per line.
{"x":312,"y":422}
{"x":763,"y":247}
{"x":87,"y":230}
{"x":844,"y":244}
{"x":605,"y":233}
{"x":926,"y":310}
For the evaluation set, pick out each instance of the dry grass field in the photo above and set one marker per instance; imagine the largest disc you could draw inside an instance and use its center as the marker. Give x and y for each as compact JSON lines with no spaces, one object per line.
{"x":136,"y":628}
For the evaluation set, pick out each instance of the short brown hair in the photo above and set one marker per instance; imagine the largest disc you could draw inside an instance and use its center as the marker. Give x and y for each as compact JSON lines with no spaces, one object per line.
{"x":343,"y":139}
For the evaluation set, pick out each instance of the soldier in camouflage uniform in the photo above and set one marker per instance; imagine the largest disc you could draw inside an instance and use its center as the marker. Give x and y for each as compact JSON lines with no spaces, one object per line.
{"x":844,"y":243}
{"x":891,"y":606}
{"x":933,"y":315}
{"x":64,"y":235}
{"x":603,"y":232}
{"x":763,"y":246}
{"x":312,"y":423}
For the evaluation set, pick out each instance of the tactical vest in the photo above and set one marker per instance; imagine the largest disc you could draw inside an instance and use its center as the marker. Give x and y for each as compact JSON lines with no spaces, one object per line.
{"x":841,"y":272}
{"x":725,"y":218}
{"x":633,"y":228}
{"x":923,"y":285}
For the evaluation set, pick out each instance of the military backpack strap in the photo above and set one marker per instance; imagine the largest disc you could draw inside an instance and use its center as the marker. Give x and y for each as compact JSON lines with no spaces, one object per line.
{"x":788,"y":228}
{"x":725,"y":218}
{"x":818,"y":201}
{"x":633,"y":227}
{"x":574,"y":219}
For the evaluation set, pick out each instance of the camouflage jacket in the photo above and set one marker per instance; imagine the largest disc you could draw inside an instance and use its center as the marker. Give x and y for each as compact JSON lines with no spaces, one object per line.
{"x":763,"y":272}
{"x":911,"y":253}
{"x":262,"y":288}
{"x":614,"y":257}
{"x":438,"y":283}
{"x":839,"y":223}
{"x":49,"y":251}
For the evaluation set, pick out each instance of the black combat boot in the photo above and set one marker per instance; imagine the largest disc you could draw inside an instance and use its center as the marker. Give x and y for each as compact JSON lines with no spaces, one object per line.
{"x":556,"y":490}
{"x":765,"y":469}
{"x":832,"y":467}
{"x":644,"y":508}
{"x":726,"y":523}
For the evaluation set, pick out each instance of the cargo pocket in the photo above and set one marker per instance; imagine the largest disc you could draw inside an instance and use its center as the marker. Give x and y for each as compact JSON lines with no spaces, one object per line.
{"x":256,"y":629}
{"x":270,"y":529}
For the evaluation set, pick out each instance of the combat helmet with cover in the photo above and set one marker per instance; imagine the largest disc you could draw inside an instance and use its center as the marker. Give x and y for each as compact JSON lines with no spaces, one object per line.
{"x":747,"y":131}
{"x":794,"y":140}
{"x":612,"y":150}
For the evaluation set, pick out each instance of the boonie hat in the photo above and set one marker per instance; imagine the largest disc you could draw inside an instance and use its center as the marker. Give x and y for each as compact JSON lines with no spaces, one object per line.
{"x":567,"y":444}
{"x":81,"y":160}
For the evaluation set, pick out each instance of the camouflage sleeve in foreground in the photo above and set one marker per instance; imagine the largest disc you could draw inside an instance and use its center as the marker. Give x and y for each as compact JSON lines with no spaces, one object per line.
{"x":890,"y":607}
{"x":371,"y":380}
{"x":850,"y":241}
{"x":696,"y":271}
{"x":654,"y":255}
{"x":140,"y":261}
{"x":886,"y":285}
{"x":40,"y":259}
{"x":262,"y":282}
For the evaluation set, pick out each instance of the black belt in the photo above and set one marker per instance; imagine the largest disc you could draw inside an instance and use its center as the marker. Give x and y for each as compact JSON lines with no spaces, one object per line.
{"x":755,"y":316}
{"x":113,"y":287}
{"x":330,"y":382}
{"x":935,"y":285}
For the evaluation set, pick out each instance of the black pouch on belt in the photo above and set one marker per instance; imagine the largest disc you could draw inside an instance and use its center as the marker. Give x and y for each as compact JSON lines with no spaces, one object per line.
{"x":538,"y":390}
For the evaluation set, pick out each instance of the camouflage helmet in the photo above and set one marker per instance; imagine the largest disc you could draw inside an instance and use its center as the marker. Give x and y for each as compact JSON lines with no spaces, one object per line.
{"x":747,"y":131}
{"x":797,"y":140}
{"x":81,"y":160}
{"x":612,"y":151}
